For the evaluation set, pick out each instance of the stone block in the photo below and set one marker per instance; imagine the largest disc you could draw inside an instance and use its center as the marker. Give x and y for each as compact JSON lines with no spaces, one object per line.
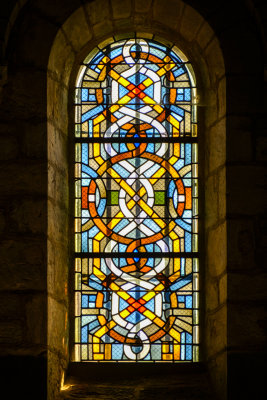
{"x":56,"y":365}
{"x":27,"y":100}
{"x":58,"y":270}
{"x":246,"y":190}
{"x":245,"y":39}
{"x":217,"y":145}
{"x":36,"y":323}
{"x":57,"y":106}
{"x":244,"y":286}
{"x":216,"y":332}
{"x":98,"y":11}
{"x":244,"y":94}
{"x":34,"y":139}
{"x":33,"y":46}
{"x":211,"y":200}
{"x":121,"y":9}
{"x":58,"y":223}
{"x":242,"y":123}
{"x":141,"y":20}
{"x":12,"y":306}
{"x":57,"y":337}
{"x":211,"y":110}
{"x":221,"y":98}
{"x":122,"y":24}
{"x":169,"y":14}
{"x":222,"y":194}
{"x":23,"y":177}
{"x":9,"y":148}
{"x":214,"y":59}
{"x":142,"y":6}
{"x":223,"y":289}
{"x":103,"y":28}
{"x":240,"y":147}
{"x":248,"y":326}
{"x":57,"y":148}
{"x":216,"y":250}
{"x":239,"y":142}
{"x":58,"y":187}
{"x":11,"y":332}
{"x":211,"y":294}
{"x":77,"y":30}
{"x":54,"y":10}
{"x":191,"y":23}
{"x":23,"y":258}
{"x":58,"y":190}
{"x":218,"y":374}
{"x":28,"y":216}
{"x":242,"y":244}
{"x":61,"y":60}
{"x":204,"y":35}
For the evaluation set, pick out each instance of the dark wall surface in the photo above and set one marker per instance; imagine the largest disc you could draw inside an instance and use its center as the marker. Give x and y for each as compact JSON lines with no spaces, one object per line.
{"x":28,"y":30}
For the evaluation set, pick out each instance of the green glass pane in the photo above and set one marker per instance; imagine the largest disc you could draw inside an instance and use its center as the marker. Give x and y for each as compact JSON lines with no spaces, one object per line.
{"x":159,"y":198}
{"x":113,"y":197}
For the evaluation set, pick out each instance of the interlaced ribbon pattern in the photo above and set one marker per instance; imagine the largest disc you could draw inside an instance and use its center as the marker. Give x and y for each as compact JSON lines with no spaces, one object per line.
{"x":136,"y":198}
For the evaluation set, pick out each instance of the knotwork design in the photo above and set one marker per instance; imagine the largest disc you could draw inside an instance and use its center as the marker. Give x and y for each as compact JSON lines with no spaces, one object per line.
{"x":136,"y":188}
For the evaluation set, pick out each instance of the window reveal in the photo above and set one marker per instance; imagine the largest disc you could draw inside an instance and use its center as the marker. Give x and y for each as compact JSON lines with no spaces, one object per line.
{"x":136,"y":207}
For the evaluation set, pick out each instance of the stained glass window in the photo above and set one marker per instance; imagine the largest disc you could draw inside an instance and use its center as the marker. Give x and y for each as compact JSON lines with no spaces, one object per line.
{"x":136,"y":206}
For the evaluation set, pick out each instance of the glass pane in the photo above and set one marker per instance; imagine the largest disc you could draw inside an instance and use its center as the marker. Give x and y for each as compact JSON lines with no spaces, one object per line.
{"x":137,"y":195}
{"x":136,"y":309}
{"x":136,"y":86}
{"x":136,"y":207}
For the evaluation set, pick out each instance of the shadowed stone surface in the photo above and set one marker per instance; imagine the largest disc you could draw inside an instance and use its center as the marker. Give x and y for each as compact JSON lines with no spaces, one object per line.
{"x":187,"y":383}
{"x":42,"y":43}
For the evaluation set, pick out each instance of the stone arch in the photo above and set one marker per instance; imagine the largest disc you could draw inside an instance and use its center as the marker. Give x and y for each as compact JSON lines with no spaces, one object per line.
{"x":88,"y":25}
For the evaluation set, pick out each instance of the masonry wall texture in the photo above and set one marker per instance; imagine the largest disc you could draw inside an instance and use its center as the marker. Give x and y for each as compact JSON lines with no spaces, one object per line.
{"x":42,"y":43}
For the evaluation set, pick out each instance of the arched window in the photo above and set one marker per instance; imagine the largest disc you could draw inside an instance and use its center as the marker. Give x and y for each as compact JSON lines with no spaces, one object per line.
{"x":136,"y":207}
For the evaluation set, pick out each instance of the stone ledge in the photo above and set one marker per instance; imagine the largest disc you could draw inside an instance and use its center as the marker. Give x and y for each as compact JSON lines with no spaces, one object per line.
{"x":137,"y":381}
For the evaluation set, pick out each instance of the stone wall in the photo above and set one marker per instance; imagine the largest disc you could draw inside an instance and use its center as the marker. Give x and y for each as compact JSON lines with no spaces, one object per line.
{"x":42,"y":44}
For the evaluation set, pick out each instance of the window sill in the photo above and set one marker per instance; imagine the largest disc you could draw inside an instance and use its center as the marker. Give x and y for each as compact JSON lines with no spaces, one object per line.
{"x":137,"y":381}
